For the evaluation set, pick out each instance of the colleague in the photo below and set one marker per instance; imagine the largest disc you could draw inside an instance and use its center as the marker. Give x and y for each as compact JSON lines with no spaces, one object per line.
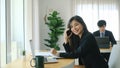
{"x":80,"y":43}
{"x":102,"y":32}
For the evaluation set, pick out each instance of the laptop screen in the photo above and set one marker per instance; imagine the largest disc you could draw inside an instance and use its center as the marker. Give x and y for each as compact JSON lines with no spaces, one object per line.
{"x":103,"y":42}
{"x":48,"y":57}
{"x":32,"y":49}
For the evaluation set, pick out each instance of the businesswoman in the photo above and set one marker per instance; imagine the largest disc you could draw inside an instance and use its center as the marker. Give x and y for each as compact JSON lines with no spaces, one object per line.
{"x":80,"y":43}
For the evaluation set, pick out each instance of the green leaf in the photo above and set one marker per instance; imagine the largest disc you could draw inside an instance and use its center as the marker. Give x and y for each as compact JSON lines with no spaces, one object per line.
{"x":47,"y":45}
{"x":57,"y":48}
{"x":55,"y":13}
{"x":50,"y":18}
{"x":49,"y":41}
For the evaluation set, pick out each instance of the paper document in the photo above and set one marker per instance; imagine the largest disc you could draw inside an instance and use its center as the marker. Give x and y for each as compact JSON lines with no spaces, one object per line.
{"x":47,"y":54}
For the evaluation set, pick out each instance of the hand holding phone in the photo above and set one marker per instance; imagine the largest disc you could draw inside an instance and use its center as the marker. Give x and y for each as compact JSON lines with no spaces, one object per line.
{"x":67,"y":35}
{"x":68,"y":32}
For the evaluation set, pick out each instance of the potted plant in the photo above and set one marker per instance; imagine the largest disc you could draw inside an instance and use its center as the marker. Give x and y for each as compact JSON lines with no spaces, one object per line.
{"x":56,"y":27}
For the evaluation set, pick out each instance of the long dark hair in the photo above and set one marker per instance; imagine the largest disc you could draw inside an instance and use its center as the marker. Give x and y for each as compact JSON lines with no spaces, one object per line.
{"x":74,"y":39}
{"x":78,"y":19}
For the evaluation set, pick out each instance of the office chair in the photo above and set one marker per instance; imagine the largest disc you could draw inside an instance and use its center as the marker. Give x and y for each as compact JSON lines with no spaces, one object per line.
{"x":114,"y":60}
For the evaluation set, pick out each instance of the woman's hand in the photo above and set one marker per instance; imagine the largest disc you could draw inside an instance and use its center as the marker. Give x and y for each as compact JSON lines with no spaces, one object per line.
{"x":54,"y":52}
{"x":66,"y":37}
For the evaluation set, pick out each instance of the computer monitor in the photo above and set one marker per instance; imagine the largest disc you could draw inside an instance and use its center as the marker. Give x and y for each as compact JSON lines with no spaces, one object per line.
{"x":103,"y":42}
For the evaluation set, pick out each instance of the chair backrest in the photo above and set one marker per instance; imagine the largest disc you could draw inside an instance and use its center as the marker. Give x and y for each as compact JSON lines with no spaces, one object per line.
{"x":114,"y":60}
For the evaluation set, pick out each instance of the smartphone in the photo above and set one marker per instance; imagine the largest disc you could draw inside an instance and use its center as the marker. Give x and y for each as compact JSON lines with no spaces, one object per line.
{"x":69,"y":32}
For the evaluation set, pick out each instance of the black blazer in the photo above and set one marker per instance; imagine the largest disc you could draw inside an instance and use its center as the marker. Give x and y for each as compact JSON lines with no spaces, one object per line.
{"x":87,"y":50}
{"x":107,"y":33}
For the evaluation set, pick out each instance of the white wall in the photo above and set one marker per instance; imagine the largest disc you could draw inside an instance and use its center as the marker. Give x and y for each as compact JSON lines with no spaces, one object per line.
{"x":119,"y":18}
{"x":64,"y":7}
{"x":28,"y":23}
{"x":17,"y":26}
{"x":36,"y":24}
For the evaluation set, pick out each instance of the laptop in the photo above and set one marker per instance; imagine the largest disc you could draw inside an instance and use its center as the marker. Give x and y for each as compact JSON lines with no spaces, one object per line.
{"x":48,"y":57}
{"x":103,"y":42}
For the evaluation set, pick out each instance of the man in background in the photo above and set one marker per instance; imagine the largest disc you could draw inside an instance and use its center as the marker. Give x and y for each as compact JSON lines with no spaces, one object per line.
{"x":102,"y":32}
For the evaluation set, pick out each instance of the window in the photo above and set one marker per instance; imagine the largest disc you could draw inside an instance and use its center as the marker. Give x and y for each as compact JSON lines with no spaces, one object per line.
{"x":11,"y":30}
{"x":93,"y":10}
{"x":17,"y":28}
{"x":2,"y":33}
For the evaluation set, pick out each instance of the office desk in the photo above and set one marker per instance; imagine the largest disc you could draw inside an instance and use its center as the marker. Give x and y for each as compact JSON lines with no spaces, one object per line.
{"x":25,"y":63}
{"x":105,"y":50}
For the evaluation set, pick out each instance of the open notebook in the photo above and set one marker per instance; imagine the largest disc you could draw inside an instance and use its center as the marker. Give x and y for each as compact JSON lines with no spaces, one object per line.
{"x":48,"y":57}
